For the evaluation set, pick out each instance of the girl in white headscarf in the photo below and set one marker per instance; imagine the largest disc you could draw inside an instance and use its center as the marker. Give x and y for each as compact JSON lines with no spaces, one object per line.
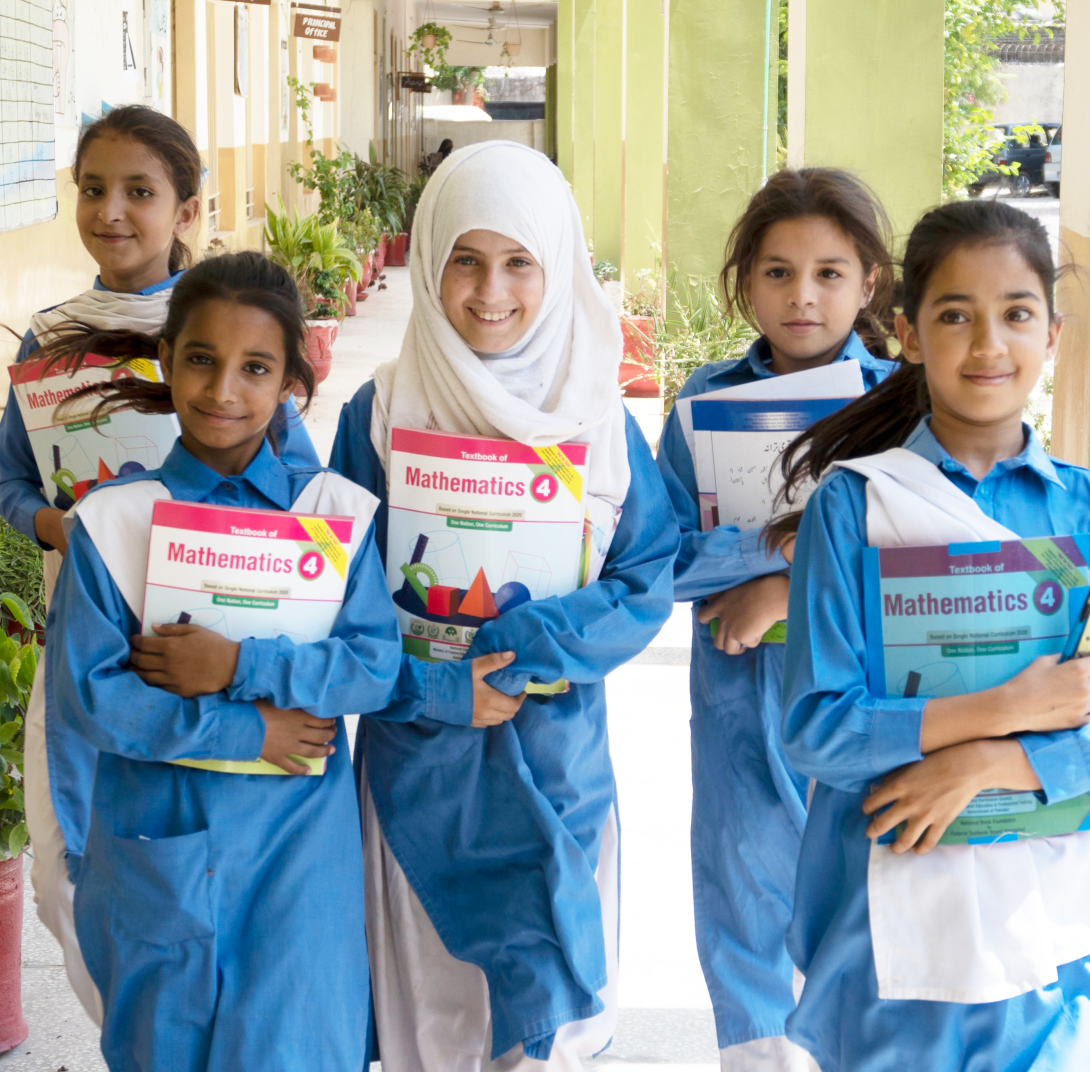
{"x":492,"y":858}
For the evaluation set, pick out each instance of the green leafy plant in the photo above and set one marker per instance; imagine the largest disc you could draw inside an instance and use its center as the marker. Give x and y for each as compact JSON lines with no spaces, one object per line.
{"x":316,"y":254}
{"x":972,"y":85}
{"x":454,"y":78}
{"x":412,"y":199}
{"x":694,"y":331}
{"x":383,"y":189}
{"x":605,"y":272}
{"x":18,"y":663}
{"x":433,"y":54}
{"x":21,"y":574}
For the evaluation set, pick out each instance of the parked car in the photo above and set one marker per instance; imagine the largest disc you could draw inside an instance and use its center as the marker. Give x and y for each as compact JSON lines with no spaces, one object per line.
{"x":1052,"y":164}
{"x":1029,"y":155}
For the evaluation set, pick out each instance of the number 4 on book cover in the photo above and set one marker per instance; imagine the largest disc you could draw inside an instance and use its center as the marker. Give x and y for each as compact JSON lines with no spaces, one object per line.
{"x":246,"y":573}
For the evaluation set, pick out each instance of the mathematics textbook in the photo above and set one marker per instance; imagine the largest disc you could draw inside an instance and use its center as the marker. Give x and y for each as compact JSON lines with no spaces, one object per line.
{"x":947,"y":620}
{"x":479,"y":526}
{"x":246,"y":573}
{"x":72,"y":455}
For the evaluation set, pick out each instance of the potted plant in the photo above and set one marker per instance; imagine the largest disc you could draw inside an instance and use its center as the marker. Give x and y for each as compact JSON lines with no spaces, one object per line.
{"x":19,"y":656}
{"x":458,"y":80}
{"x":430,"y":42}
{"x":321,"y":262}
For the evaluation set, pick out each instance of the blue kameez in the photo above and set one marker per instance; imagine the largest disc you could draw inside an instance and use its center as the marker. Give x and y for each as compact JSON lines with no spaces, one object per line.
{"x":499,"y":832}
{"x":838,"y":733}
{"x":748,"y":803}
{"x":220,"y":915}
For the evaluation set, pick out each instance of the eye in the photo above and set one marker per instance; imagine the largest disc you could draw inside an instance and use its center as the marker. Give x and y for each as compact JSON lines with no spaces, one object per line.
{"x":520,"y":262}
{"x":953,"y":316}
{"x":256,"y":368}
{"x":91,"y":191}
{"x":776,"y":273}
{"x":465,"y":260}
{"x":195,"y":357}
{"x":1020,"y":315}
{"x":141,"y":192}
{"x":829,"y":273}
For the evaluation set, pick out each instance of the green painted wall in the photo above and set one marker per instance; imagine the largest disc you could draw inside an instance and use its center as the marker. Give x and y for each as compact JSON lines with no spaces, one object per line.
{"x":564,"y":83}
{"x":608,"y":119}
{"x":717,"y":150}
{"x":582,"y":165}
{"x":873,"y":97}
{"x":645,"y":114}
{"x":550,"y":112}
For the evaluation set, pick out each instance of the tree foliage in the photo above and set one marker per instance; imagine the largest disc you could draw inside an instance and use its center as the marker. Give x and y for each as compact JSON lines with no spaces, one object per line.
{"x":972,"y":85}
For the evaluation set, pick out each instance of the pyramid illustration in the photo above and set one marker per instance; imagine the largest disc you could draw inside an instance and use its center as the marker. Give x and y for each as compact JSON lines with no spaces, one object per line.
{"x":478,"y":601}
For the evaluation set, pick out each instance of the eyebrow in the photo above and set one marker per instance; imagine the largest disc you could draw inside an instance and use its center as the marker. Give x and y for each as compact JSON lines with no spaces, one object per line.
{"x":128,"y":178}
{"x":1014,"y":295}
{"x":196,"y":344}
{"x":821,"y":260}
{"x":505,"y":253}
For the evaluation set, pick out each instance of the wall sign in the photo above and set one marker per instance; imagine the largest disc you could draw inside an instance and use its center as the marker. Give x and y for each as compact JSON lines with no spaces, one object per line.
{"x":316,"y":23}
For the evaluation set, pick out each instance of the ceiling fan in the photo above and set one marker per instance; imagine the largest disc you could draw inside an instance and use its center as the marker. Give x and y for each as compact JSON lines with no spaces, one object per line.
{"x":489,"y":40}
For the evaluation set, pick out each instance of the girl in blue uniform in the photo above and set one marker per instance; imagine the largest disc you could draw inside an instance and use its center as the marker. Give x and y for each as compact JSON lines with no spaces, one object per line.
{"x":492,"y":859}
{"x":948,"y":956}
{"x":220,"y":915}
{"x":807,"y":266}
{"x":138,"y":174}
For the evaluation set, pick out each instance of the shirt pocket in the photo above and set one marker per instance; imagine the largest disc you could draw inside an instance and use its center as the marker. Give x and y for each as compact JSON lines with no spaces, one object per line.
{"x":161,"y":889}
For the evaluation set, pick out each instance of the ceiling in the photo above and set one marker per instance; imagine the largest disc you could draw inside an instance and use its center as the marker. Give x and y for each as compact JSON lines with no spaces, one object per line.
{"x":539,"y":13}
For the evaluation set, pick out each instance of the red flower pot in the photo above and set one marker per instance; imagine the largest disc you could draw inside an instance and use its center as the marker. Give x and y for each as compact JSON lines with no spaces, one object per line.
{"x":636,"y":372}
{"x":457,"y":96}
{"x":350,"y":294}
{"x":395,"y":252}
{"x":13,"y":1029}
{"x":365,"y":276}
{"x":380,"y":256}
{"x":319,"y":353}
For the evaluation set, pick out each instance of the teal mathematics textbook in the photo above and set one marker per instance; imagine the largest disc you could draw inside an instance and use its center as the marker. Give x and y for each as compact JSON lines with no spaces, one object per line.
{"x":958,"y":618}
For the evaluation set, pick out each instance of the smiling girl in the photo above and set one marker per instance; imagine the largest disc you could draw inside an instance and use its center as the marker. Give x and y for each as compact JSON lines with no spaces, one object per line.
{"x":951,"y":956}
{"x":492,"y":894}
{"x":220,"y":915}
{"x":138,"y":174}
{"x":808,"y":266}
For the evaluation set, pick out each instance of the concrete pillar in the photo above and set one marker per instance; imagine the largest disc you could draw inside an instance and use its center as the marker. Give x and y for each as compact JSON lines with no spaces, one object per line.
{"x":644,"y":160}
{"x":720,"y":117}
{"x":608,"y":127}
{"x":1071,"y":399}
{"x":865,"y":92}
{"x":582,"y":166}
{"x":564,"y":74}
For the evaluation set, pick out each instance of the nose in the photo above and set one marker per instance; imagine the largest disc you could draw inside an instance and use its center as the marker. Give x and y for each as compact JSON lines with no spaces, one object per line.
{"x":220,"y":386}
{"x":988,"y":338}
{"x":112,"y":207}
{"x":802,"y":294}
{"x":490,"y":284}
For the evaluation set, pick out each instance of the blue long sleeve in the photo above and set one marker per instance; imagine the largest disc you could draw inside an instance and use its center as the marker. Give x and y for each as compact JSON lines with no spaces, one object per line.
{"x":97,"y":696}
{"x":707,"y":562}
{"x":834,"y":729}
{"x":20,"y":482}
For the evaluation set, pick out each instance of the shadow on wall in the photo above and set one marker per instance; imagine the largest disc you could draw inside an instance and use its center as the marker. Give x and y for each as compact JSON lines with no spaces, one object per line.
{"x":529,"y":132}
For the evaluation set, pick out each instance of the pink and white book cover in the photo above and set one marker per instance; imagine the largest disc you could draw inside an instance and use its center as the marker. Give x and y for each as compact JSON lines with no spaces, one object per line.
{"x":72,"y":455}
{"x":246,"y":573}
{"x":478,"y":526}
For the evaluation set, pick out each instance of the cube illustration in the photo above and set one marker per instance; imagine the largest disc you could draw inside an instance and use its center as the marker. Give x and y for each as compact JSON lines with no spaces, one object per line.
{"x":443,"y":600}
{"x":530,"y":570}
{"x":137,"y":448}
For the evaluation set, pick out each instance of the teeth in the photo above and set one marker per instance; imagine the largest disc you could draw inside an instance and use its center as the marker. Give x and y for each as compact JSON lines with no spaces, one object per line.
{"x":493,"y":316}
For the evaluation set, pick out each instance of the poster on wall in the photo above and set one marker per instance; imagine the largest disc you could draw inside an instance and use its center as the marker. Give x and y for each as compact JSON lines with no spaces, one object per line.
{"x":157,"y":55}
{"x":285,"y":89}
{"x":28,"y":173}
{"x":64,"y":67}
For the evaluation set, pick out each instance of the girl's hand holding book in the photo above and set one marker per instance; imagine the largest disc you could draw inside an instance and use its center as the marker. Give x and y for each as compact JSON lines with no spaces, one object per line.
{"x":294,"y":733}
{"x":490,"y":706}
{"x":49,"y":528}
{"x":185,"y":660}
{"x":929,"y":795}
{"x":746,"y":612}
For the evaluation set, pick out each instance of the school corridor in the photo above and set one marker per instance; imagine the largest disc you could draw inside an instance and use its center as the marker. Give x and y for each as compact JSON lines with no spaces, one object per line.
{"x":666,"y":1019}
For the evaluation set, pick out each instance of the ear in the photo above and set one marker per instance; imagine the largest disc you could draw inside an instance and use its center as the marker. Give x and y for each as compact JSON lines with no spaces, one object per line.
{"x":909,"y":339}
{"x":868,"y":287}
{"x":287,"y":388}
{"x":165,"y":356}
{"x":186,"y":214}
{"x":1054,"y":330}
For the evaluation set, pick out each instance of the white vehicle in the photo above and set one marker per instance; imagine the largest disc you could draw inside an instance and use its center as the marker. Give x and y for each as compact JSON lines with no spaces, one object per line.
{"x":1052,"y":164}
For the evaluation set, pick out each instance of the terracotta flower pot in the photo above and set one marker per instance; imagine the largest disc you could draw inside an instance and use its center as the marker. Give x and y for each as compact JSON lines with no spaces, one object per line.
{"x":429,"y":40}
{"x":514,"y":48}
{"x":325,"y":53}
{"x":350,"y":294}
{"x":13,"y":1028}
{"x":319,"y":354}
{"x":322,"y":88}
{"x":365,"y":276}
{"x":636,"y":372}
{"x":380,"y":256}
{"x":458,"y":96}
{"x":395,"y":252}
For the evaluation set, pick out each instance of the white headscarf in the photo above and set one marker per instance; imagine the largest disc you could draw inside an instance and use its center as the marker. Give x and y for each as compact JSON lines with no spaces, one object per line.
{"x":560,"y":382}
{"x":106,"y":310}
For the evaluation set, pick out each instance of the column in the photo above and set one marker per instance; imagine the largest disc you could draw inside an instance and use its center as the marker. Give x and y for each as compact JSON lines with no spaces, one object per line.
{"x":720,"y":118}
{"x":865,"y":92}
{"x":608,"y":128}
{"x":644,"y":159}
{"x":582,"y":167}
{"x":564,"y":77}
{"x":1071,"y":399}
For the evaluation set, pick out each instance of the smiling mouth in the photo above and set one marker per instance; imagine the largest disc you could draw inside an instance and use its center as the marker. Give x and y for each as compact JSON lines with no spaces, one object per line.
{"x":112,"y":237}
{"x":216,"y":418}
{"x":493,"y":318}
{"x":988,"y":379}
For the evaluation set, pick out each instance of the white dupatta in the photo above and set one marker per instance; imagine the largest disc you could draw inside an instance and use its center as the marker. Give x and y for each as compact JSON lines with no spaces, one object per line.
{"x":964,"y":923}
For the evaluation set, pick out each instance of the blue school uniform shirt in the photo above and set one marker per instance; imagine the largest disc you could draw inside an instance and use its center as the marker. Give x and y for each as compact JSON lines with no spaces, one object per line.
{"x":239,"y":868}
{"x":21,"y":495}
{"x":838,"y":733}
{"x":499,"y":832}
{"x":748,"y":804}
